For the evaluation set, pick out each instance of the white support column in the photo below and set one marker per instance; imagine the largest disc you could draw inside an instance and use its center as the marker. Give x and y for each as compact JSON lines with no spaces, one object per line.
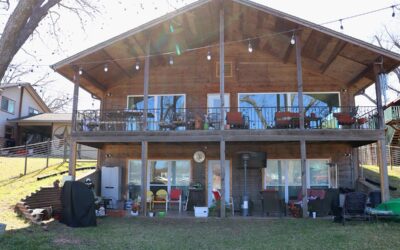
{"x":382,"y":160}
{"x":72,"y":154}
{"x":222,"y":108}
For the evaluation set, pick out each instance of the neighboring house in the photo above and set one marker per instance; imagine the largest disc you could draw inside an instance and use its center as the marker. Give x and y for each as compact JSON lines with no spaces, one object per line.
{"x":288,"y":91}
{"x":17,"y":100}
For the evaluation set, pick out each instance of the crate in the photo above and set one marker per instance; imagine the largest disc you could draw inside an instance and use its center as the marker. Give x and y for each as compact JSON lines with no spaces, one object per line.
{"x":201,"y":211}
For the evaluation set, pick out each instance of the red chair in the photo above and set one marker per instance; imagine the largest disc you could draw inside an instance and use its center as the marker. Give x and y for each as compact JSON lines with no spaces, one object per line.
{"x":175,"y":197}
{"x":235,"y":120}
{"x":217,"y":197}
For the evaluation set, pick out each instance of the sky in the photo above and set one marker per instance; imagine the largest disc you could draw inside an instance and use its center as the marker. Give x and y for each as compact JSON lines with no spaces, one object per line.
{"x":117,"y":16}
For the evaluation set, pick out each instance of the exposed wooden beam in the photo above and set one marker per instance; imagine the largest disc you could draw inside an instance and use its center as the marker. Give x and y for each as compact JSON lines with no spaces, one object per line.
{"x":90,"y":78}
{"x":360,"y":76}
{"x":299,"y":79}
{"x":144,"y":157}
{"x":338,"y":48}
{"x":304,"y":184}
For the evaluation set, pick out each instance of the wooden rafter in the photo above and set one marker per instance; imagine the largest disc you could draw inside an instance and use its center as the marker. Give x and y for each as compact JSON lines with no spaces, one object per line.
{"x":338,"y":48}
{"x":111,"y":59}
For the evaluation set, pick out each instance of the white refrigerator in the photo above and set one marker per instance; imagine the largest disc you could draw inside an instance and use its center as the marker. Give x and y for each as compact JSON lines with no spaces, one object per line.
{"x":111,"y":184}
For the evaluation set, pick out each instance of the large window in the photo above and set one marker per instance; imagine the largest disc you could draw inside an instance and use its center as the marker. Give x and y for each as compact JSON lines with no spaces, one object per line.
{"x":162,"y":174}
{"x":7,"y":105}
{"x":261,"y":107}
{"x":164,"y":108}
{"x":285,"y":176}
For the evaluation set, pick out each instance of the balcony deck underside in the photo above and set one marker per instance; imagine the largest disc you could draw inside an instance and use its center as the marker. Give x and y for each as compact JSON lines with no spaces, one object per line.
{"x":355,"y":136}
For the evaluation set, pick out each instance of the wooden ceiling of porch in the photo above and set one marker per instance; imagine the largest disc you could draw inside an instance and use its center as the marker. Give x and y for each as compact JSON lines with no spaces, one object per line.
{"x":324,"y":54}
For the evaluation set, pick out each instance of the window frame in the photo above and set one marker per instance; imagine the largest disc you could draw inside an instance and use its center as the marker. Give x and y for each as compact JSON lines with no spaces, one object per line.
{"x":8,"y":104}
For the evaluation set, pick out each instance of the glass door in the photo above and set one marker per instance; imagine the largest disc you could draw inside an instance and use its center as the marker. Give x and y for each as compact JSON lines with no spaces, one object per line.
{"x":214,"y":179}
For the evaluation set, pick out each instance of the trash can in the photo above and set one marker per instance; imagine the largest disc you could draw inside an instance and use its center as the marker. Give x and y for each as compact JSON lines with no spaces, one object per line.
{"x":375,"y":198}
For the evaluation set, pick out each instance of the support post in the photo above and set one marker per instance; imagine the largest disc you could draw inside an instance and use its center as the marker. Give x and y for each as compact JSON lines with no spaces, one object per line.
{"x":48,"y":153}
{"x":222,"y":108}
{"x":144,"y":156}
{"x":304,"y":177}
{"x":143,"y":201}
{"x":26,"y":158}
{"x":72,"y":159}
{"x":383,"y":170}
{"x":72,"y":153}
{"x":299,"y":79}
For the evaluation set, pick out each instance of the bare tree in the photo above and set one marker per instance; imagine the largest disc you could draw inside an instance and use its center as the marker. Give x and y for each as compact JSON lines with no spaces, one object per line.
{"x":26,"y":17}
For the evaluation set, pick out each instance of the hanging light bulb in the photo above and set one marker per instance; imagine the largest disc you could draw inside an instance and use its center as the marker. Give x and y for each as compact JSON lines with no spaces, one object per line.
{"x":137,"y":67}
{"x":250,"y":47}
{"x":209,"y":56}
{"x":393,"y":14}
{"x":341,"y":24}
{"x":105,"y":67}
{"x":292,"y":41}
{"x":171,"y":60}
{"x":80,"y":71}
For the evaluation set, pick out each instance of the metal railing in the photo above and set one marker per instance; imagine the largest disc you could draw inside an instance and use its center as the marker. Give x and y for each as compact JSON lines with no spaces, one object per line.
{"x":368,"y":155}
{"x":253,"y":118}
{"x":22,"y":160}
{"x":392,"y":113}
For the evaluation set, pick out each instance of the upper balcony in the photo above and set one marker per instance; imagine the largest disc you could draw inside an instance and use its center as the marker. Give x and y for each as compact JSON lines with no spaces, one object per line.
{"x":208,"y":120}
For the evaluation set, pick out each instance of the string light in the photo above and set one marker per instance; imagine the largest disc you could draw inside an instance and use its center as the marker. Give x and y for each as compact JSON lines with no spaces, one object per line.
{"x":341,"y":24}
{"x":292,"y":41}
{"x":105,"y":67}
{"x":393,"y":14}
{"x":209,"y":56}
{"x":171,"y":60}
{"x":137,"y":65}
{"x":250,"y":47}
{"x":80,"y":71}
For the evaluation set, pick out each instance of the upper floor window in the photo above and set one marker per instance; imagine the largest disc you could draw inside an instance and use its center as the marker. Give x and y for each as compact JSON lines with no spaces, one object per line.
{"x":33,"y":111}
{"x":7,"y":105}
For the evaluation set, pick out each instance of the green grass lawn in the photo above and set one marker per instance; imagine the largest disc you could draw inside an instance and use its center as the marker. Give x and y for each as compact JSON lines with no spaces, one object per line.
{"x":14,"y":166}
{"x":372,"y":172}
{"x":211,"y":233}
{"x":13,"y":190}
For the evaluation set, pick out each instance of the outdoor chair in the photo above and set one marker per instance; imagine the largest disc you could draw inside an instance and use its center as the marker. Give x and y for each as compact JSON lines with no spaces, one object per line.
{"x":161,"y":198}
{"x":217,"y":198}
{"x":175,"y":197}
{"x":236,"y":120}
{"x":272,"y":203}
{"x":354,"y":206}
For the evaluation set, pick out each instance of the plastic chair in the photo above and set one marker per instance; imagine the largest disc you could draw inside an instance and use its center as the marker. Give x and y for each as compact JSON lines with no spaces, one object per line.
{"x":161,"y":197}
{"x":217,"y":197}
{"x":175,"y":197}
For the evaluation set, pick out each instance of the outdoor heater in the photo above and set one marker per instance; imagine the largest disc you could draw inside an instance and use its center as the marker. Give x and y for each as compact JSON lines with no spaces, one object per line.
{"x":250,"y":160}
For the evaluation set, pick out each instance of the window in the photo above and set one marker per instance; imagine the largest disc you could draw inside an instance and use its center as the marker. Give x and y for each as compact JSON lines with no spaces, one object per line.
{"x":285,"y":176}
{"x":165,"y":108}
{"x":33,"y":111}
{"x":162,"y":174}
{"x":319,"y":103}
{"x":7,"y":105}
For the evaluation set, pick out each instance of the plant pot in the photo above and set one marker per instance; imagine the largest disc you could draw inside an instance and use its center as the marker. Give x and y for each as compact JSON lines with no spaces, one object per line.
{"x":151,"y":214}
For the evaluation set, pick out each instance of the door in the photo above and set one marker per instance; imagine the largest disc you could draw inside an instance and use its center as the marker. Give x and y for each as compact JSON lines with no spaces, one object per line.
{"x":213,"y":108}
{"x":214,"y":179}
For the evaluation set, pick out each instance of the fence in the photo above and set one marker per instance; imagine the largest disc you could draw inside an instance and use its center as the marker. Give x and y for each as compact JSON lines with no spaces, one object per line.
{"x":21,"y":160}
{"x":368,"y":155}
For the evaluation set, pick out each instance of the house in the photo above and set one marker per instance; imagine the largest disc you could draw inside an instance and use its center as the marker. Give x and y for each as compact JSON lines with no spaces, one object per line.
{"x":232,"y":83}
{"x":17,"y":100}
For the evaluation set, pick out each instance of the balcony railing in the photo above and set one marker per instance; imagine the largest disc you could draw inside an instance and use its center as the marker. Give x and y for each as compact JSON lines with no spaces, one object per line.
{"x":251,"y":118}
{"x":392,"y":114}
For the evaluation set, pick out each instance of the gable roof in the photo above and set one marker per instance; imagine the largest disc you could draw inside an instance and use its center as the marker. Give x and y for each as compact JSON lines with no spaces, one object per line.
{"x":326,"y":51}
{"x":28,"y":87}
{"x":45,"y":118}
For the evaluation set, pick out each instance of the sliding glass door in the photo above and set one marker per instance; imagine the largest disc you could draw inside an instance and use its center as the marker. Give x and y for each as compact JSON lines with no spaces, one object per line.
{"x":285,"y":176}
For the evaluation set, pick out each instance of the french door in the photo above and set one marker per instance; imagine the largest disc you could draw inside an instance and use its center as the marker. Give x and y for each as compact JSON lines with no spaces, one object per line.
{"x":214,"y":179}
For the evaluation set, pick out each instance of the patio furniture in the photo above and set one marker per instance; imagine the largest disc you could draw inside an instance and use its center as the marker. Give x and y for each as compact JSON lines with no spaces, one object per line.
{"x":161,"y":198}
{"x":324,"y":207}
{"x":354,"y":206}
{"x":285,"y":119}
{"x":345,"y":118}
{"x":196,"y":198}
{"x":236,"y":120}
{"x":272,"y":203}
{"x":230,"y":204}
{"x":175,"y":197}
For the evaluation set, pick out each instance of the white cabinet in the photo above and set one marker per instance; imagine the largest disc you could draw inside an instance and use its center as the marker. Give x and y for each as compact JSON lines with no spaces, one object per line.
{"x":111,"y":183}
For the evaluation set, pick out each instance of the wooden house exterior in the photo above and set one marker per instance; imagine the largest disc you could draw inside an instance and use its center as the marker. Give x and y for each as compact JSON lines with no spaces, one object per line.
{"x":168,"y":88}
